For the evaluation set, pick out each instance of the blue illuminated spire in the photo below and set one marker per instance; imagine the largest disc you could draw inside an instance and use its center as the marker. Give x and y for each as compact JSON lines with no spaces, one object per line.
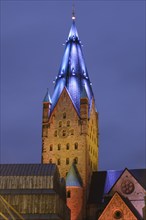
{"x":73,"y":73}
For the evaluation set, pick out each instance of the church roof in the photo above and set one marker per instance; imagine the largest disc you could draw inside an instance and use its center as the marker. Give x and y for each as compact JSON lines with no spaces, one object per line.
{"x":105,"y":181}
{"x":73,"y":73}
{"x":27,"y":169}
{"x":73,"y":178}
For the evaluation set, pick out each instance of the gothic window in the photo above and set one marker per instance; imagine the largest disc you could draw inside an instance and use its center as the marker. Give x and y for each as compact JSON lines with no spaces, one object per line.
{"x":68,"y":194}
{"x":76,"y":146}
{"x":55,"y":133}
{"x":64,"y":115}
{"x":67,"y":160}
{"x":50,"y":161}
{"x":51,"y":147}
{"x":75,"y":160}
{"x":59,"y":146}
{"x":68,"y":123}
{"x":67,"y":146}
{"x":64,"y":133}
{"x":60,"y":124}
{"x":58,"y":162}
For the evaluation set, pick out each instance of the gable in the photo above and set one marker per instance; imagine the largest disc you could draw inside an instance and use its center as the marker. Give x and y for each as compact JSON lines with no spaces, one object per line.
{"x":64,"y":104}
{"x":128,"y":186}
{"x":117,"y":208}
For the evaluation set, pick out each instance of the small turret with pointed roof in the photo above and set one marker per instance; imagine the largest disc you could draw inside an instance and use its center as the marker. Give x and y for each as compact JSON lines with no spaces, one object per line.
{"x":74,"y":193}
{"x":46,"y":106}
{"x":73,"y":177}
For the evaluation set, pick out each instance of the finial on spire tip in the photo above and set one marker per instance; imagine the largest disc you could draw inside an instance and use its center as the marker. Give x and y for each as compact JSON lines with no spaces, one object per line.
{"x":73,"y":12}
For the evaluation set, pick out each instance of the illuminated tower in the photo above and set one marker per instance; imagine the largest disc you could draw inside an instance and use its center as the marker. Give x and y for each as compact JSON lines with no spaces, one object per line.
{"x":70,"y":120}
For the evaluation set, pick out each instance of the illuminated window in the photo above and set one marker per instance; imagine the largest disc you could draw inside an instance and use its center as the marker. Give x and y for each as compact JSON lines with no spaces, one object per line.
{"x":67,"y":160}
{"x":68,"y":194}
{"x":59,"y":146}
{"x":64,"y":115}
{"x":76,"y":146}
{"x":75,"y":160}
{"x":50,"y":161}
{"x":55,"y":133}
{"x":58,"y":162}
{"x":68,"y":123}
{"x":64,"y":133}
{"x":51,"y":147}
{"x":60,"y":123}
{"x":67,"y":146}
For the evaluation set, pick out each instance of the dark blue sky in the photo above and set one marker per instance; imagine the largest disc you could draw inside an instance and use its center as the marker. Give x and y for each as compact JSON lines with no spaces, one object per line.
{"x":113,"y":35}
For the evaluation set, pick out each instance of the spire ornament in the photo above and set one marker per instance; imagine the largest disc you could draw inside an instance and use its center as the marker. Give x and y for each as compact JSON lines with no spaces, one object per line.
{"x":73,"y":11}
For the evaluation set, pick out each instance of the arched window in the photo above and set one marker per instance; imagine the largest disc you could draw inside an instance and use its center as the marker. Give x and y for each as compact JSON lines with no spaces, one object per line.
{"x":68,"y":123}
{"x":50,"y":161}
{"x":76,"y":146}
{"x":67,"y":160}
{"x":60,"y":124}
{"x":67,"y":146}
{"x":75,"y":160}
{"x":51,"y":147}
{"x":64,"y":133}
{"x":64,"y":115}
{"x":68,"y":194}
{"x":72,"y":132}
{"x":58,"y":162}
{"x":55,"y":133}
{"x":59,"y":146}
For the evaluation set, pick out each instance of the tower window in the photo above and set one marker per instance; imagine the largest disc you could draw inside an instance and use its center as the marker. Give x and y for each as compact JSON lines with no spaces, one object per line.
{"x":50,"y":161}
{"x":76,"y":146}
{"x":68,"y":194}
{"x":72,"y":132}
{"x":67,"y":160}
{"x":59,"y":146}
{"x":58,"y":162}
{"x":55,"y":133}
{"x":68,"y":123}
{"x":67,"y":146}
{"x":64,"y":133}
{"x":75,"y":160}
{"x":64,"y":115}
{"x":60,"y":124}
{"x":51,"y":147}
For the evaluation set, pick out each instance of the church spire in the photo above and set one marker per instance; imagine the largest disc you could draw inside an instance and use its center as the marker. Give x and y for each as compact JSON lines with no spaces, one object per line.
{"x":73,"y":73}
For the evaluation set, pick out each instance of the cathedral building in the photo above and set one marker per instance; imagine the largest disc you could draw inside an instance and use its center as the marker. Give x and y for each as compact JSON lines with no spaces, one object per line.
{"x":67,"y":183}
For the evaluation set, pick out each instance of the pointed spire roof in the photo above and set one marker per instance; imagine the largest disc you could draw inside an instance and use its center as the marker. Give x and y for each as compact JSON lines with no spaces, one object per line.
{"x":73,"y":73}
{"x":47,"y":97}
{"x":73,"y":178}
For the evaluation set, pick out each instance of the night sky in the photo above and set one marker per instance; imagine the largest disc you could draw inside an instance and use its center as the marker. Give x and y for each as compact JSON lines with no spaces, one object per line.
{"x":113,"y":35}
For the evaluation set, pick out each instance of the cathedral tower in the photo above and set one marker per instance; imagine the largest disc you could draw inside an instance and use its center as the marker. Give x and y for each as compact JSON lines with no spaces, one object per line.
{"x":70,"y":120}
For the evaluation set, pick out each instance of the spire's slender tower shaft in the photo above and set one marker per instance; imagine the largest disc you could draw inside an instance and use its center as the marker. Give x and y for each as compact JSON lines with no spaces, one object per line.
{"x":71,"y":131}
